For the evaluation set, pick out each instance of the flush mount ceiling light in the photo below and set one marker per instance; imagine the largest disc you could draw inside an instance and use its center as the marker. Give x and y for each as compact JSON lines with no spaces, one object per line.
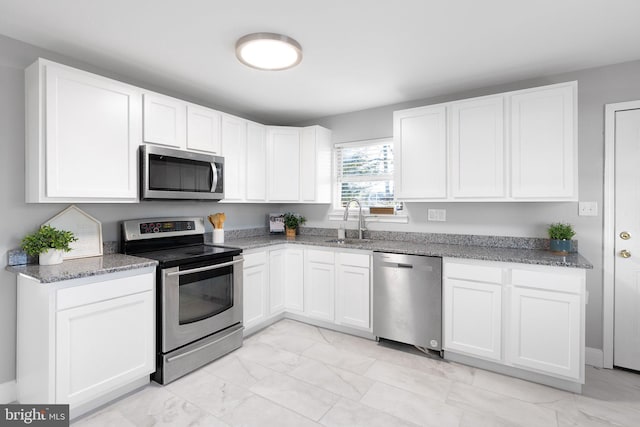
{"x":268,"y":51}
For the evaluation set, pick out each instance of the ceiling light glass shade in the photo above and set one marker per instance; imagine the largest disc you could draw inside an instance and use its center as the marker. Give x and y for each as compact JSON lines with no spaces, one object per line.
{"x":268,"y":51}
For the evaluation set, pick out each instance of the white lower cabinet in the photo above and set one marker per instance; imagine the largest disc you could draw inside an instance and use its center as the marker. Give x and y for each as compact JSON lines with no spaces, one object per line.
{"x":521,"y":316}
{"x":294,"y":280}
{"x":473,"y":318}
{"x":319,"y":284}
{"x":353,"y":290}
{"x":83,"y":339}
{"x":322,"y":284}
{"x":255,"y":283}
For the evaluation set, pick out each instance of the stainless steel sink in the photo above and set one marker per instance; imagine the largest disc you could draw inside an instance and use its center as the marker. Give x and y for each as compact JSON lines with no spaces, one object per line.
{"x":348,"y":241}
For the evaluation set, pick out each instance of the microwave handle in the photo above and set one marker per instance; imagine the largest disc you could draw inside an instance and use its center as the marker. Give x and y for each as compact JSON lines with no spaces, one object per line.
{"x":214,"y":181}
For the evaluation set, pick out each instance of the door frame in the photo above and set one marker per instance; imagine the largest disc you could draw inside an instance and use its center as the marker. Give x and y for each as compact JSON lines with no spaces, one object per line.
{"x":608,"y":238}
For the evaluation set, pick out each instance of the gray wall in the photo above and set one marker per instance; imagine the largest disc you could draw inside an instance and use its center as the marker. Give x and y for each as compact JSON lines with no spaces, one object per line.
{"x":596,"y":87}
{"x":18,"y":218}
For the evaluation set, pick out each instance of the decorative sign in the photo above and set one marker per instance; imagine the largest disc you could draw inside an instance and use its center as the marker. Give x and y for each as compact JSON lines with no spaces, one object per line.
{"x":276,"y":223}
{"x":86,"y":228}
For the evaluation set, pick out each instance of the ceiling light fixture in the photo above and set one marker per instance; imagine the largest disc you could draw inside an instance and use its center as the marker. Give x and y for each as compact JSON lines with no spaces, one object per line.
{"x":268,"y":51}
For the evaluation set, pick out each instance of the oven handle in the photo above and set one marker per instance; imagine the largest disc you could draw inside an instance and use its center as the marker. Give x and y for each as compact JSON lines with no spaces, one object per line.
{"x":207,"y":268}
{"x":180,"y":356}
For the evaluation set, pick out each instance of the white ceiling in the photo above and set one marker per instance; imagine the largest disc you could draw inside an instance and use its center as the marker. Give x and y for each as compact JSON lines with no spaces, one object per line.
{"x":358,"y":54}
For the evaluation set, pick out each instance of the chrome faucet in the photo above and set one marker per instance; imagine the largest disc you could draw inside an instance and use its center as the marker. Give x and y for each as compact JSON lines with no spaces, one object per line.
{"x":361,"y":225}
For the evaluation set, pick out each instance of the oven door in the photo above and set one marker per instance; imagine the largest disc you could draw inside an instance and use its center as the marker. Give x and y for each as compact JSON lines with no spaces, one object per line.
{"x":199,"y":300}
{"x":177,"y":174}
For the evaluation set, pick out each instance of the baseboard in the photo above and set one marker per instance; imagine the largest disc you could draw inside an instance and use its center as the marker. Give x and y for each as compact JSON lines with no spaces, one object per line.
{"x":8,"y":392}
{"x":594,"y":357}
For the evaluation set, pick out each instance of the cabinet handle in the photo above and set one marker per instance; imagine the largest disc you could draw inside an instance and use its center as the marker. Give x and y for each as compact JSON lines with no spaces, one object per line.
{"x":625,"y":253}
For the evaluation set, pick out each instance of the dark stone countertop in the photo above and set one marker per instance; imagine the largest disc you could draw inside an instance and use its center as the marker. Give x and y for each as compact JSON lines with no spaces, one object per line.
{"x":82,"y":267}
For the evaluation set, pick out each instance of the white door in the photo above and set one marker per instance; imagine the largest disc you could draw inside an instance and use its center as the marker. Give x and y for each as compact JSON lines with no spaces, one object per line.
{"x":352,"y":296}
{"x":626,"y":350}
{"x":544,"y":331}
{"x":477,"y":148}
{"x":294,"y":280}
{"x":234,"y":147}
{"x":256,"y":162}
{"x":255,"y":287}
{"x":420,"y":145}
{"x":284,"y":164}
{"x":473,"y":318}
{"x":92,"y":135}
{"x":277,"y":275}
{"x":102,"y":346}
{"x":319,"y":284}
{"x":165,"y":120}
{"x":203,"y":129}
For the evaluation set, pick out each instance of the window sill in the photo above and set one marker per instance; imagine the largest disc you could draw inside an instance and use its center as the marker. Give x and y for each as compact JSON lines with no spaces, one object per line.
{"x":353,"y":217}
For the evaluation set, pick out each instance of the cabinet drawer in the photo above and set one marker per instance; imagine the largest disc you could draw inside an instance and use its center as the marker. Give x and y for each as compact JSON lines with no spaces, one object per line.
{"x":107,"y":289}
{"x":354,"y":260}
{"x":251,"y":260}
{"x":475,"y":273}
{"x":553,"y":279}
{"x":323,"y":257}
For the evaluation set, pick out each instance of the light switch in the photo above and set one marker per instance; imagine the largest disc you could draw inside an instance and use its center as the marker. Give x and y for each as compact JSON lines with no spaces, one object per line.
{"x":587,"y":208}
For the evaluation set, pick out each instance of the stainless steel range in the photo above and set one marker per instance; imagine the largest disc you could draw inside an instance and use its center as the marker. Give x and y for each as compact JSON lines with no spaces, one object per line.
{"x":199,"y":293}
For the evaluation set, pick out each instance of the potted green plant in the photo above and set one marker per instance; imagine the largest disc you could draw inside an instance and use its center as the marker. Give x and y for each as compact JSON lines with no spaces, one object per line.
{"x":560,"y":235}
{"x":49,"y":244}
{"x":291,"y":223}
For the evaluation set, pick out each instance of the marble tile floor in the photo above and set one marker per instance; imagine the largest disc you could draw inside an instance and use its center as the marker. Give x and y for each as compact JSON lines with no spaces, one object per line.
{"x":293,"y":374}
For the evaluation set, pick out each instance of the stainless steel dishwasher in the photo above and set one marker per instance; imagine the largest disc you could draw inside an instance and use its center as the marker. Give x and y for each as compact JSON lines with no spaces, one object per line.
{"x":407,"y":299}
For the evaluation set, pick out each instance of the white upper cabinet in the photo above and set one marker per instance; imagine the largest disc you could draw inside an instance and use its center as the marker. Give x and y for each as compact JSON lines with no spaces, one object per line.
{"x":507,"y":147}
{"x":544,"y":146}
{"x":82,"y":133}
{"x":256,"y":162}
{"x":234,"y":150}
{"x":477,"y":148}
{"x":420,"y":146}
{"x":165,"y":120}
{"x":283,"y":163}
{"x":316,"y":160}
{"x":203,"y":129}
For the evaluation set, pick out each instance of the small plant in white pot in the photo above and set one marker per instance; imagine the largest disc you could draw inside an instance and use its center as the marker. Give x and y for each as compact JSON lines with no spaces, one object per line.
{"x":49,"y":244}
{"x":560,"y":238}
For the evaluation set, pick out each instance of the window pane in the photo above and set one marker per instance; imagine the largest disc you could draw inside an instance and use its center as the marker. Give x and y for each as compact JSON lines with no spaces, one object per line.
{"x":365,"y":173}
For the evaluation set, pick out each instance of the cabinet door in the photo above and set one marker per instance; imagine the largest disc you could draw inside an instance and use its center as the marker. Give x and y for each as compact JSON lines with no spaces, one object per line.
{"x":255,"y":288}
{"x":284,"y":164}
{"x":92,"y":134}
{"x":203,"y":129}
{"x":165,"y":120}
{"x":234,"y":147}
{"x":104,"y":345}
{"x":319,"y":284}
{"x":477,"y":148}
{"x":544,"y":331}
{"x":294,"y":280}
{"x":420,"y":147}
{"x":308,"y":147}
{"x":316,"y":153}
{"x":256,"y":162}
{"x":543,"y":144}
{"x":353,"y":292}
{"x":472,"y":318}
{"x":277,"y":275}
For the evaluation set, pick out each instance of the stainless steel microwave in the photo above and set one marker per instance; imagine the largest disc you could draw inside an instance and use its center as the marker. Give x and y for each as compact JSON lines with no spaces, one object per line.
{"x":180,"y":175}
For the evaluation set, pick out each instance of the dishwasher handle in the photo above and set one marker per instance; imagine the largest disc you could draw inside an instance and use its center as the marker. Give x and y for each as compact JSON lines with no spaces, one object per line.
{"x":404,"y":265}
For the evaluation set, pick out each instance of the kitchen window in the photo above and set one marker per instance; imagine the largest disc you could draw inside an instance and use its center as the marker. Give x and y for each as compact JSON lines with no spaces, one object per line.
{"x":364,"y":171}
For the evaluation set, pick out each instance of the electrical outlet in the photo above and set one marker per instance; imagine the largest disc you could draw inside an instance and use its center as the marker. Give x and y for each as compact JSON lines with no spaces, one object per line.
{"x":437,"y":215}
{"x":588,"y":208}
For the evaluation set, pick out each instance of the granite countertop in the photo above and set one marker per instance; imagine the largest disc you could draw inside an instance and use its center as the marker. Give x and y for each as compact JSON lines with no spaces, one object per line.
{"x":82,"y":267}
{"x":486,"y":253}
